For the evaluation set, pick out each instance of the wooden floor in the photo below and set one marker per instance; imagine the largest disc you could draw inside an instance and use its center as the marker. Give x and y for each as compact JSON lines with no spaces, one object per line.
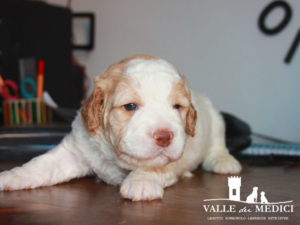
{"x":83,"y":201}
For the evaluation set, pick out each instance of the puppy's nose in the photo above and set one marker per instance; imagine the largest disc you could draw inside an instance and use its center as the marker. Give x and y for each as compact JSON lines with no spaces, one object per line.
{"x":163,"y":137}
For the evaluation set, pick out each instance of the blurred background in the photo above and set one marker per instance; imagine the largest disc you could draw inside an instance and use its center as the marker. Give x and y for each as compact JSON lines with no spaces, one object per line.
{"x":249,"y":70}
{"x":217,"y":45}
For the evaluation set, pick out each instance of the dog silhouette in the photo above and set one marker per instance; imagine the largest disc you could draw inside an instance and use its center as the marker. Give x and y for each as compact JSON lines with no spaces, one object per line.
{"x":253,"y":197}
{"x":263,"y":198}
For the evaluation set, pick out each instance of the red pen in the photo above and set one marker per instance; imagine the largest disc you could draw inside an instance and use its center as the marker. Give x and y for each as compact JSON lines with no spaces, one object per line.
{"x":40,"y":79}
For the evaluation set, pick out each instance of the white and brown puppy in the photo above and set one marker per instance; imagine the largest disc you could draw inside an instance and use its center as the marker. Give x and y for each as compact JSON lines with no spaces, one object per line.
{"x":142,"y":128}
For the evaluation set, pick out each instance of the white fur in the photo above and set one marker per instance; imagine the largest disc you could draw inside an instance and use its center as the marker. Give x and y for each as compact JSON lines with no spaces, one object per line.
{"x":143,"y":169}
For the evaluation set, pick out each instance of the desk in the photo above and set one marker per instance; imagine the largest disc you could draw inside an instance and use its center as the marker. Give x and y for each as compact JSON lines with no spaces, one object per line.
{"x":83,"y":201}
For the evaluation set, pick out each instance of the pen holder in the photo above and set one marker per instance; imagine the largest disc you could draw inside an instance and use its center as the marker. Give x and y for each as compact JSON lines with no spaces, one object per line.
{"x":26,"y":111}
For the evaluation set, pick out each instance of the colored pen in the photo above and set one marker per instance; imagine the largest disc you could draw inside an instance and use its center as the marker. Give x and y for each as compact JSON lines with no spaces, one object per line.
{"x":40,"y":79}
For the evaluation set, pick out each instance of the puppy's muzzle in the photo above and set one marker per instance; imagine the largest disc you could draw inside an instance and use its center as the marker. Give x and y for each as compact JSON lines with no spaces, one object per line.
{"x":163,"y":137}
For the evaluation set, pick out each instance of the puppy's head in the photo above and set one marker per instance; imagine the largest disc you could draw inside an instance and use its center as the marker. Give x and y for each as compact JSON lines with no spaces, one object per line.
{"x":142,"y":106}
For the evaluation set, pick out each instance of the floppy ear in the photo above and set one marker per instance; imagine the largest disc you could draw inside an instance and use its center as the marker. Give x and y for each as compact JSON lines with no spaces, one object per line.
{"x":191,"y":116}
{"x":191,"y":119}
{"x":95,"y":110}
{"x":91,"y":110}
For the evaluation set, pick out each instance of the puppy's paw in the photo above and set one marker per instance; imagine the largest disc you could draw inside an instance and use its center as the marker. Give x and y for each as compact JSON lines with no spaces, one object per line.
{"x":138,"y":189}
{"x":224,"y":164}
{"x":10,"y":181}
{"x":7,"y":182}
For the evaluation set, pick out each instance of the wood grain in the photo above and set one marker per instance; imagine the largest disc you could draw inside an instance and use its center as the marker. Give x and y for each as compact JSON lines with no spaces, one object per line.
{"x":83,"y":201}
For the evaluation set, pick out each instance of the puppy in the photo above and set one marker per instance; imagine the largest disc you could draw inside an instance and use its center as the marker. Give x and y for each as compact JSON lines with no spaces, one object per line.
{"x":142,"y":128}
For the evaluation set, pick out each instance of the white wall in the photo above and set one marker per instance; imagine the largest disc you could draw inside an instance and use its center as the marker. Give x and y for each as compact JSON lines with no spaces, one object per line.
{"x":216,"y":44}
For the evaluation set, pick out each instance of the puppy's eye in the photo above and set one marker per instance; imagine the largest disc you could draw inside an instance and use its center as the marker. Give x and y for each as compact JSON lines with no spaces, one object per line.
{"x":176,"y":106}
{"x":130,"y":107}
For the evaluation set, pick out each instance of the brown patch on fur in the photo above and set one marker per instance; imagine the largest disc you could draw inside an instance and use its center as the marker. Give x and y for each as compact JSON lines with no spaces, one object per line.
{"x":191,"y":119}
{"x":90,"y":111}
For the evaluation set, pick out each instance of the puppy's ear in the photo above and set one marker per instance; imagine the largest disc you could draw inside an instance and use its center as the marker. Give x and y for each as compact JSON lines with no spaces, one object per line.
{"x":95,"y":110}
{"x":191,"y":119}
{"x":91,"y":110}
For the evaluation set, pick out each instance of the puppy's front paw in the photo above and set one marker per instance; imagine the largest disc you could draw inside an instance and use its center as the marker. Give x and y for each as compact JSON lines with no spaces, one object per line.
{"x":138,"y":189}
{"x":8,"y":182}
{"x":12,"y":180}
{"x":224,"y":164}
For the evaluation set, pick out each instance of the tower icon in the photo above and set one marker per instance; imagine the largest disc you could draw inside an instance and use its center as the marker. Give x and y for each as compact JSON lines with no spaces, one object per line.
{"x":234,"y":184}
